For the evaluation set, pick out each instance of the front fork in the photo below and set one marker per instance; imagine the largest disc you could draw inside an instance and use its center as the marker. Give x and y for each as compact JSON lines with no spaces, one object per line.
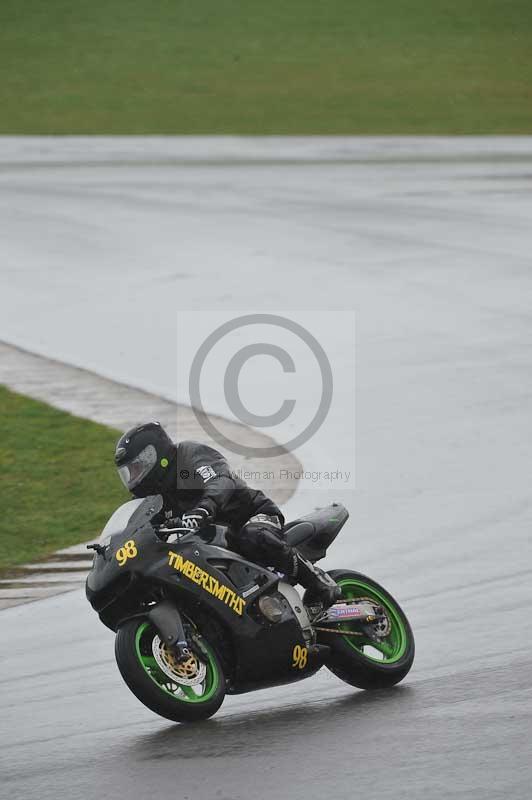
{"x":167,"y":620}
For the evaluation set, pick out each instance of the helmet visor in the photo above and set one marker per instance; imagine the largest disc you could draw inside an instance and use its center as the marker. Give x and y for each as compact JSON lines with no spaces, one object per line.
{"x":133,"y":473}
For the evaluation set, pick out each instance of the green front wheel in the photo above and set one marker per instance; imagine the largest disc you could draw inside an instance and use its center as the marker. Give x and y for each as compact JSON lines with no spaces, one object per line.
{"x":381,"y":656}
{"x":183,"y":691}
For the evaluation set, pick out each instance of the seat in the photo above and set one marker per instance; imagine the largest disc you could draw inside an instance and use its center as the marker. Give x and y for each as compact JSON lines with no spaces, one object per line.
{"x":313,"y":533}
{"x":298,"y":532}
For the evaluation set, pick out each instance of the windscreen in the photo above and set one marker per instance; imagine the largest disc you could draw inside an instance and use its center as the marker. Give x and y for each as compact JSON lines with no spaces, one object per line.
{"x":118,"y":521}
{"x":135,"y":514}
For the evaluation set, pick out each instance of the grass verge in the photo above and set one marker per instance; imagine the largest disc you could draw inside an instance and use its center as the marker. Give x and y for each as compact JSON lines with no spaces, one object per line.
{"x":58,"y":485}
{"x":228,"y":66}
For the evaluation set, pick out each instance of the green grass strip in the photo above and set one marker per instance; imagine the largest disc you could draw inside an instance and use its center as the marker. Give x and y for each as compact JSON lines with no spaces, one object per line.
{"x":58,"y":481}
{"x":298,"y":67}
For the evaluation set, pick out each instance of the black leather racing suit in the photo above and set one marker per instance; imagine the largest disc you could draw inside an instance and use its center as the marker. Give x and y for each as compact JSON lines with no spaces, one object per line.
{"x":201,"y":477}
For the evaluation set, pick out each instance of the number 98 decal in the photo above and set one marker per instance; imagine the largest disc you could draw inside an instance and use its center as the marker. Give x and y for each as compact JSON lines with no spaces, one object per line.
{"x":129,"y":550}
{"x":299,"y":657}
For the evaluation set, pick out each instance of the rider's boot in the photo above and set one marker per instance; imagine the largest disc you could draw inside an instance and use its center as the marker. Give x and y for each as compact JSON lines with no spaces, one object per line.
{"x":264,"y":540}
{"x":320,"y":586}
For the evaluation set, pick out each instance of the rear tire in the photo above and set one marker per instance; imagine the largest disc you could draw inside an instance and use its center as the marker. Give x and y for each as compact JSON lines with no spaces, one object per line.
{"x":348,"y":660}
{"x":164,"y":695}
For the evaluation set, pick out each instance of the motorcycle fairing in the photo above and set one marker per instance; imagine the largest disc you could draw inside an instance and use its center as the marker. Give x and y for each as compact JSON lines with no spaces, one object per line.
{"x":222,"y":583}
{"x":262,"y":650}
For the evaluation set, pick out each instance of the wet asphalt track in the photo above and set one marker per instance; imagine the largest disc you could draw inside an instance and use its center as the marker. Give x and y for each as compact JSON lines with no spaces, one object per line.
{"x":431,"y":244}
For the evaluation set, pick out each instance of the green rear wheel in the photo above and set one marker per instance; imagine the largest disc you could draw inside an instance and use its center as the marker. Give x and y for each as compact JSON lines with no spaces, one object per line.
{"x":381,"y":657}
{"x":183,"y":691}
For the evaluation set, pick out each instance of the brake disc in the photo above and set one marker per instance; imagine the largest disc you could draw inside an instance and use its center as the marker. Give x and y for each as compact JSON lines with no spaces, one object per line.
{"x":189,"y":672}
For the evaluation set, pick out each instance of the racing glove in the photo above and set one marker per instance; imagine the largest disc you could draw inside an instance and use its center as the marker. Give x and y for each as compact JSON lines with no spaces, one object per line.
{"x":195,"y":518}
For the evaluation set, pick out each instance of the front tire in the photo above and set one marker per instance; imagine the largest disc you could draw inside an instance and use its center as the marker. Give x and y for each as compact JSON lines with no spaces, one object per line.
{"x":360,"y":661}
{"x":181,"y":692}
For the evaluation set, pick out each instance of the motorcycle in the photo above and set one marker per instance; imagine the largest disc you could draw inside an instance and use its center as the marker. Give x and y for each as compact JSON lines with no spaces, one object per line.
{"x":195,"y":621}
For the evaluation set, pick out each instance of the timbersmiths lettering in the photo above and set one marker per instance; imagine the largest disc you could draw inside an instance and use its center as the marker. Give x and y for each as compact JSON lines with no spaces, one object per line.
{"x":207,"y":582}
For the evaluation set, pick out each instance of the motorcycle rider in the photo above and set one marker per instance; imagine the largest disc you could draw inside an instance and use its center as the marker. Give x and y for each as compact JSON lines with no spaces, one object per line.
{"x":196,"y":484}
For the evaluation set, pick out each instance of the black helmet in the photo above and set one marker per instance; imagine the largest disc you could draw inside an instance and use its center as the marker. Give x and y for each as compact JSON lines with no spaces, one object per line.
{"x":144,"y":456}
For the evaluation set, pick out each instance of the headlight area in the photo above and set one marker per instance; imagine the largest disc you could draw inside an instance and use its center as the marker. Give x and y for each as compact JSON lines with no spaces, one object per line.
{"x":111,"y":593}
